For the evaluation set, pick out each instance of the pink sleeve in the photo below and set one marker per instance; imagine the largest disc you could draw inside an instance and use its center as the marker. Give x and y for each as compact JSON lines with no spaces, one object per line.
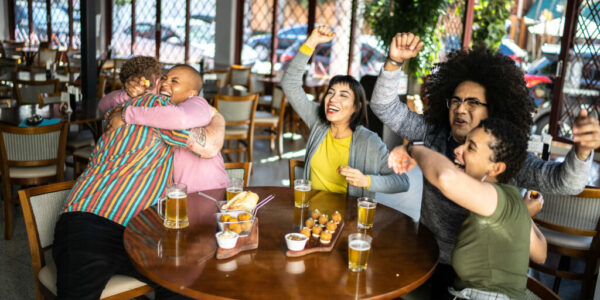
{"x":193,"y":112}
{"x":112,"y":100}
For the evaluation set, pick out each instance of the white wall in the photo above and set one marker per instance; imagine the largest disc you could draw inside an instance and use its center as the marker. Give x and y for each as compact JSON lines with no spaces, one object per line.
{"x":225,"y":33}
{"x":4,"y":34}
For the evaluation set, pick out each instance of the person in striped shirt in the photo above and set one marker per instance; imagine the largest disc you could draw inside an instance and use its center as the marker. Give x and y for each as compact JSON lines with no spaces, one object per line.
{"x":128,"y":171}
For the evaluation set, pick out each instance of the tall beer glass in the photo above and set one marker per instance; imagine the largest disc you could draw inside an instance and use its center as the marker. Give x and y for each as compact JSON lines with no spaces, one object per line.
{"x":366,"y":212}
{"x":175,"y":207}
{"x":359,"y":247}
{"x":236,"y":186}
{"x":301,"y":192}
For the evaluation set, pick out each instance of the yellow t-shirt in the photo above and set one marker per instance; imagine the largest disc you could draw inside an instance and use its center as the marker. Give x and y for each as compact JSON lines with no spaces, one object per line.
{"x":331,"y":154}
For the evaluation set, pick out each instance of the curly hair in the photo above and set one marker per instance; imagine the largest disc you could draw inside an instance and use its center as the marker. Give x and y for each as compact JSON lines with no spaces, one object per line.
{"x":138,"y":66}
{"x":359,"y":117}
{"x":509,"y":146}
{"x":505,"y":89}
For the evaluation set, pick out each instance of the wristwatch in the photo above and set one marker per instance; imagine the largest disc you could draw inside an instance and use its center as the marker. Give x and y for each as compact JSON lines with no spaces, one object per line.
{"x":394,"y":62}
{"x":413,"y":143}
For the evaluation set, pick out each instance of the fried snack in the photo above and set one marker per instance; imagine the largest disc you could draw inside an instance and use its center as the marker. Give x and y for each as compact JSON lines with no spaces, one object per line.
{"x":244,"y":216}
{"x":306,"y":231}
{"x":225,"y":218}
{"x":235,"y":227}
{"x":325,"y":237}
{"x":309,"y":223}
{"x":331,"y":226}
{"x":316,"y":214}
{"x":246,"y":226}
{"x":323,"y":219}
{"x":243,"y":201}
{"x":316,"y":231}
{"x":336,"y":217}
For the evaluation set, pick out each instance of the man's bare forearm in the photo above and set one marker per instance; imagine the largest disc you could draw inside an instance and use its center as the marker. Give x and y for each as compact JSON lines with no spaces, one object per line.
{"x":207,"y":141}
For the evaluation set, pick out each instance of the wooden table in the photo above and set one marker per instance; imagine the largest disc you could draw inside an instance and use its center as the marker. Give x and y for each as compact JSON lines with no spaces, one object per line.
{"x":37,"y":76}
{"x":90,"y":117}
{"x":228,"y":91}
{"x":403,"y":255}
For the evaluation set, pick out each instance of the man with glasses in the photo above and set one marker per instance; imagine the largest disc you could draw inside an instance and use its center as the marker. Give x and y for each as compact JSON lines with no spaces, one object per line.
{"x":462,"y":91}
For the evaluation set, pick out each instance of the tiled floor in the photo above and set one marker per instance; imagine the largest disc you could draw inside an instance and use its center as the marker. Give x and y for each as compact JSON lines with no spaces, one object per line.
{"x":16,"y":277}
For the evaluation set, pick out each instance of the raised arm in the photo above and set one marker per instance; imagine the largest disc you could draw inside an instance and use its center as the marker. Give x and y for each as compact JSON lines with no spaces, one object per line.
{"x":385,"y":102}
{"x":193,"y":112}
{"x":291,"y":83}
{"x":451,"y":181}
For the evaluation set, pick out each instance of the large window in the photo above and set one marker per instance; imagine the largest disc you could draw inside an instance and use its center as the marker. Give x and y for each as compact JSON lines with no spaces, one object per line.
{"x":169,"y":22}
{"x":35,"y":28}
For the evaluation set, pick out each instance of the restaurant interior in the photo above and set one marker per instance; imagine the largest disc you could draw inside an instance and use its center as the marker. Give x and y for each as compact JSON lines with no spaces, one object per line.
{"x":59,"y":58}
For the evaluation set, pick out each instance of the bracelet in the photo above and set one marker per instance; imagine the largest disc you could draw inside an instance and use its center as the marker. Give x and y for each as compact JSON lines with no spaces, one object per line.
{"x":411,"y":144}
{"x":123,"y":115}
{"x":394,"y":62}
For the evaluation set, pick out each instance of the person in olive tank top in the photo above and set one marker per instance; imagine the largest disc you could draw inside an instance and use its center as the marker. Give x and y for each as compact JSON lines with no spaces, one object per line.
{"x":497,"y":238}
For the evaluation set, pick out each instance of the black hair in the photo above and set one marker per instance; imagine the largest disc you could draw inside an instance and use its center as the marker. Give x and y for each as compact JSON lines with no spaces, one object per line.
{"x":505,"y":89}
{"x":359,"y":117}
{"x":509,"y":146}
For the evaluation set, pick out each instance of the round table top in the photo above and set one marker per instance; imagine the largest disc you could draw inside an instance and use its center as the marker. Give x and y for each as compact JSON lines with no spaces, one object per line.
{"x":403,"y":254}
{"x":16,"y":115}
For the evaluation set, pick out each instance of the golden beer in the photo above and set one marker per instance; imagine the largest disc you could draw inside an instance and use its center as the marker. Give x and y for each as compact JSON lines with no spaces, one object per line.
{"x":358,"y":254}
{"x":301,"y":196}
{"x":176,"y":210}
{"x":366,"y":213}
{"x":232,"y":192}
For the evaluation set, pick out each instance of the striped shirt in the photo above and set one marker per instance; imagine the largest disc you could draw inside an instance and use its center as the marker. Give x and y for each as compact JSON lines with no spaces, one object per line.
{"x":128,"y":169}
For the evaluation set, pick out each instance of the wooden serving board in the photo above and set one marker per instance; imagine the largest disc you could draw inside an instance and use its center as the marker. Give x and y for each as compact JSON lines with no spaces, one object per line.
{"x":314,"y":245}
{"x":244,"y":243}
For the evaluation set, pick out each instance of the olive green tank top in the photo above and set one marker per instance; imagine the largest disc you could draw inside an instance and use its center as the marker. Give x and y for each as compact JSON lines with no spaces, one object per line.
{"x":492,"y":253}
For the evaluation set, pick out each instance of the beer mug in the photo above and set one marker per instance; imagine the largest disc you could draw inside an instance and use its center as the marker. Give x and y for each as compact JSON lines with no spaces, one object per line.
{"x":236,"y":186}
{"x":359,"y":247}
{"x":173,"y":246}
{"x":366,"y":212}
{"x":174,"y":211}
{"x":301,"y":192}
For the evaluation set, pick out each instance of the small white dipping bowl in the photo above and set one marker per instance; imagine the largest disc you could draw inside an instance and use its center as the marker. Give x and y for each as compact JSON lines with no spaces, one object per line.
{"x":298,"y":244}
{"x":227,"y":239}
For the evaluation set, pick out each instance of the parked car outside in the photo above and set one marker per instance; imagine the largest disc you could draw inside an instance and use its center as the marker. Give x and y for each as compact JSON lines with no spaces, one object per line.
{"x":285,"y":38}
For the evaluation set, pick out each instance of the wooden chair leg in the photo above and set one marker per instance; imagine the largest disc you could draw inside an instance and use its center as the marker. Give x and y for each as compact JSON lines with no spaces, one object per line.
{"x":563,"y":264}
{"x":8,"y":212}
{"x":588,"y":281}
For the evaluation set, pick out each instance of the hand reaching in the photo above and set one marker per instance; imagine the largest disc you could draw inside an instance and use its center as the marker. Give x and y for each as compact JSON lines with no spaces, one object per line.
{"x":319,"y":35}
{"x":586,"y":134}
{"x":354,"y":177}
{"x":136,"y":86}
{"x":114,"y":120}
{"x":404,"y":46}
{"x":534,"y":202}
{"x":400,"y":161}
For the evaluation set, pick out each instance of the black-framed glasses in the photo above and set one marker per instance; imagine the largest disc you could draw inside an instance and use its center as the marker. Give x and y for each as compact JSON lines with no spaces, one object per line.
{"x":471,"y":103}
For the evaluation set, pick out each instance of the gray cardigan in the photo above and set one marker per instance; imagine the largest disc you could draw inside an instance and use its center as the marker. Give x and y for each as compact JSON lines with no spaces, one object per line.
{"x":442,"y":216}
{"x":367,"y":152}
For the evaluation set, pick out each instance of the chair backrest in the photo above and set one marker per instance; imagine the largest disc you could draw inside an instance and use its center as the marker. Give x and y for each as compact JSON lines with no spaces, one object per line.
{"x":239,"y":170}
{"x":27,"y":91}
{"x":580,"y":213}
{"x":237,"y":110}
{"x":73,"y":60}
{"x":47,"y":55}
{"x":258,"y":85}
{"x":33,"y":146}
{"x":45,"y":98}
{"x":537,"y":291}
{"x":221,"y":77}
{"x":278,"y":98}
{"x":239,"y":75}
{"x":296,"y":170}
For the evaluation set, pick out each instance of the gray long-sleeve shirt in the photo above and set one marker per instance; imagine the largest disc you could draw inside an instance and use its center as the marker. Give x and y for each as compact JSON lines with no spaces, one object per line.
{"x":367,"y":152}
{"x":441,"y":215}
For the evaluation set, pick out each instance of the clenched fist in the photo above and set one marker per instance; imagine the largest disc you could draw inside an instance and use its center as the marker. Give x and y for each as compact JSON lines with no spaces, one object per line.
{"x":404,"y":46}
{"x":319,"y":35}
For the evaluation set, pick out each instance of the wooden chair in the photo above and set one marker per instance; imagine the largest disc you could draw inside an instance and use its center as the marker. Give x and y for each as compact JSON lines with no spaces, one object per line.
{"x":73,"y":60}
{"x":117,"y":65}
{"x":258,"y":86}
{"x":27,"y":91}
{"x":273,"y":120}
{"x":296,"y":170}
{"x":239,"y":170}
{"x":42,"y":207}
{"x":81,"y":158}
{"x":239,"y":78}
{"x":238,"y":112}
{"x":30,"y":156}
{"x":221,"y":77}
{"x":571,"y":225}
{"x":538,"y":291}
{"x":46,"y":55}
{"x":45,"y":98}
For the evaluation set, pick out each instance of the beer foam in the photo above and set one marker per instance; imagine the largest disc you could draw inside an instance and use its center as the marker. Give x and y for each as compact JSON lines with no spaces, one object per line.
{"x":302,"y":188}
{"x":359,"y":245}
{"x":176,"y":194}
{"x":367,"y":204}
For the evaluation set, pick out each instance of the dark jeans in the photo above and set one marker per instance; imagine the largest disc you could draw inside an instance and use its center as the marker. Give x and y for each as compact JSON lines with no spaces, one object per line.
{"x":442,"y":278}
{"x":88,"y":250}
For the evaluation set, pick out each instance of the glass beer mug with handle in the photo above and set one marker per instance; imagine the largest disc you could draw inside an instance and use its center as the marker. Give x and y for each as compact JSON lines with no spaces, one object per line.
{"x":174,"y":210}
